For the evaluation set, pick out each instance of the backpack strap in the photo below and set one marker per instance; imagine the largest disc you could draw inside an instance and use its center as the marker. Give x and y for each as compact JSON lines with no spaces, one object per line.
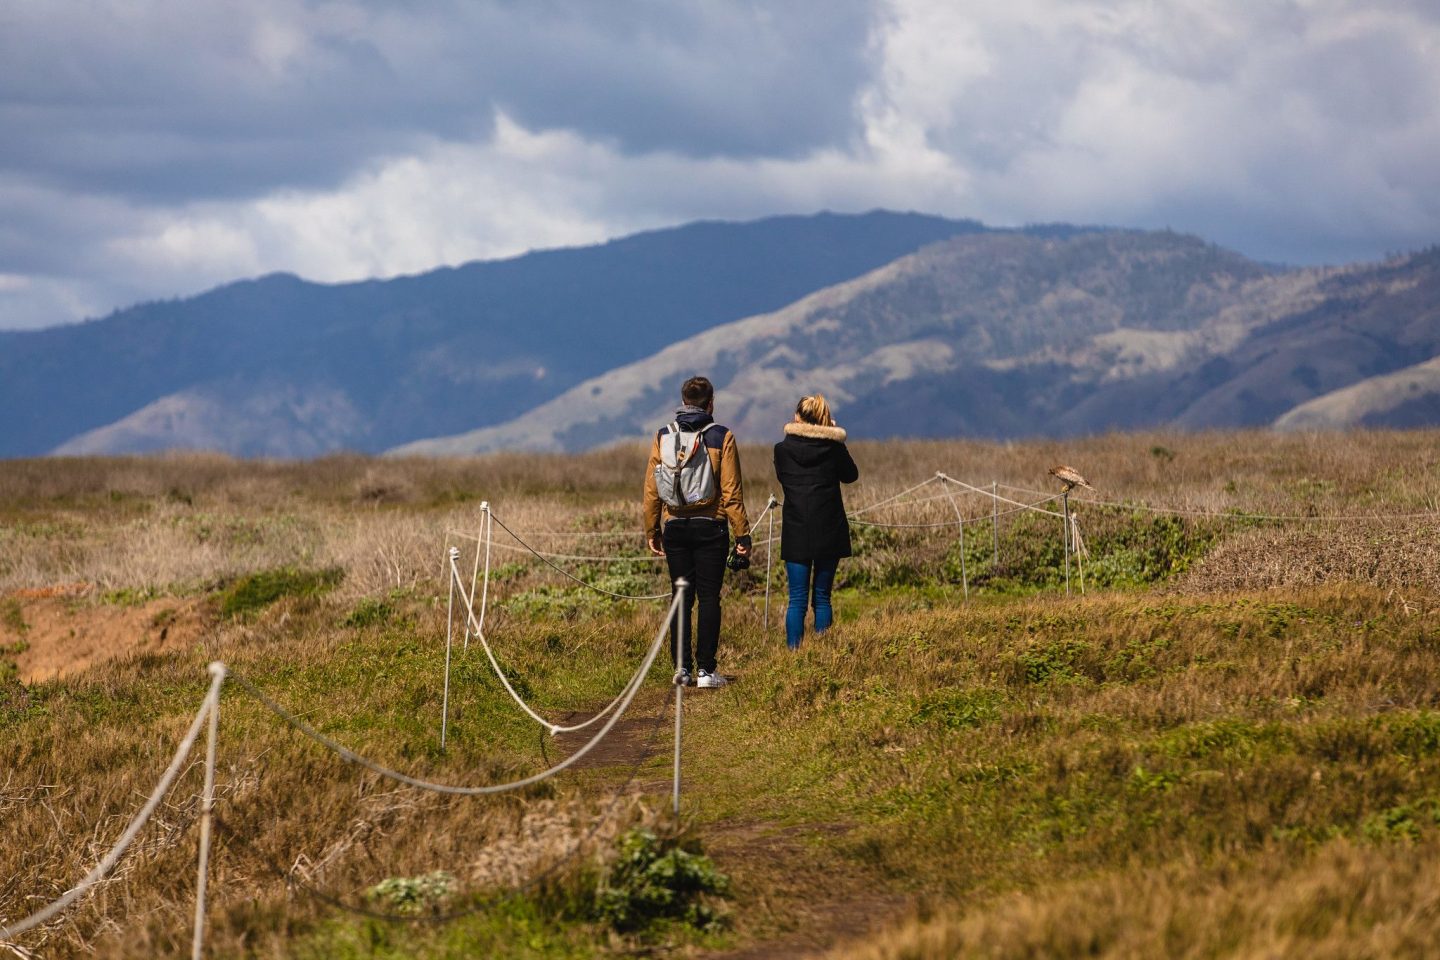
{"x":673,"y":430}
{"x":712,"y":423}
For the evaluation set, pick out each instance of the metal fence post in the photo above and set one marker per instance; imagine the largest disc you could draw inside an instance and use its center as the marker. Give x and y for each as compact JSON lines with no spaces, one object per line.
{"x":1065,"y":498}
{"x":959,"y":519}
{"x":449,"y":637}
{"x":679,"y":626}
{"x":769,"y":557}
{"x":207,"y":811}
{"x":994,"y":524}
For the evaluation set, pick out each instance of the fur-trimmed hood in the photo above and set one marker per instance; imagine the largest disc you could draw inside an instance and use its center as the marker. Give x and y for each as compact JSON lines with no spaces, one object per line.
{"x":814,"y":431}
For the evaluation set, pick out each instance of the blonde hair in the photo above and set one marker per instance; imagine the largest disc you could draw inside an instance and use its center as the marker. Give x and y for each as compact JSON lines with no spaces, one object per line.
{"x":815,"y":410}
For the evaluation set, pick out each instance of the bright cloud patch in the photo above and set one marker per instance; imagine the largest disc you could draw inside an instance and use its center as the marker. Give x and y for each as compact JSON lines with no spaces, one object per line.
{"x":157,"y":149}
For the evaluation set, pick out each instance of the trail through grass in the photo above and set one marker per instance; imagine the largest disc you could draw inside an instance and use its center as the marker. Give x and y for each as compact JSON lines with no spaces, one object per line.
{"x":1228,"y":747}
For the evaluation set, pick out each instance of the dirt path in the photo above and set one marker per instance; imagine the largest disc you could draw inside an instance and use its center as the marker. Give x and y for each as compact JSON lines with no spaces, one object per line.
{"x":58,"y":631}
{"x":638,"y":737}
{"x":792,"y":904}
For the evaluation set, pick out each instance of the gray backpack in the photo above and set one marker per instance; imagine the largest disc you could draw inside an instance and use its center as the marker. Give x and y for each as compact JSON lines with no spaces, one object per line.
{"x":684,"y":477}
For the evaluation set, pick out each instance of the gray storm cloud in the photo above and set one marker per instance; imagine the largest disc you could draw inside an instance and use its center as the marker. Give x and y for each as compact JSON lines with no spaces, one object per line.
{"x":157,"y":147}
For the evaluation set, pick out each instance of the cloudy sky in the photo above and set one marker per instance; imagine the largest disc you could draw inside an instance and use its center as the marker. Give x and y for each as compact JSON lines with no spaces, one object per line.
{"x":153,"y":148}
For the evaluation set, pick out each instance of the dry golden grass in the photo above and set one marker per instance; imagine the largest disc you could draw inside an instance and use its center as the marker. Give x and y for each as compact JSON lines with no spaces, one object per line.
{"x":1345,"y":902}
{"x":79,"y":767}
{"x":182,"y":523}
{"x":980,"y":758}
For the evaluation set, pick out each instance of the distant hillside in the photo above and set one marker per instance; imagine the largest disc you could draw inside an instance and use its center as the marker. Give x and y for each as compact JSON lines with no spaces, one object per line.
{"x":281,"y":367}
{"x":1008,"y":334}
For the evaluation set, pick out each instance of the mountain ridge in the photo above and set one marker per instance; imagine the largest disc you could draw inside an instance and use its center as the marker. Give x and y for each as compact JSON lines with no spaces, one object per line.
{"x":444,"y":350}
{"x":1006,"y":334}
{"x":914,"y":325}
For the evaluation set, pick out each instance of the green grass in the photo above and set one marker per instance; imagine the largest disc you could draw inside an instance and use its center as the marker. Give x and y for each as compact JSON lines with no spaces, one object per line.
{"x":965,"y":749}
{"x":12,"y":617}
{"x":1134,"y":772}
{"x":259,"y":590}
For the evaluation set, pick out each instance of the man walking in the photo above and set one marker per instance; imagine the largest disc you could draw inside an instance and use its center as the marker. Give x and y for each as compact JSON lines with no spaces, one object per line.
{"x":693,"y":481}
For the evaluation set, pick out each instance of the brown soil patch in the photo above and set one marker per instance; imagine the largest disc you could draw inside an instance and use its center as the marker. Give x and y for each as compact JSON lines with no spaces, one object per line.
{"x":636,"y":738}
{"x":63,"y":631}
{"x":818,"y":902}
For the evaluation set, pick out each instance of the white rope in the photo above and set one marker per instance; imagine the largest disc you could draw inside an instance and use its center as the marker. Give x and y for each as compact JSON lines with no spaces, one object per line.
{"x":546,"y":555}
{"x":910,"y":526}
{"x":479,"y":632}
{"x":566,"y":573}
{"x":613,"y":534}
{"x":943,"y":495}
{"x":1016,"y":503}
{"x":1220,"y":515}
{"x":908,"y":490}
{"x":207,"y":816}
{"x":960,"y":522}
{"x":485,"y":589}
{"x":768,"y":504}
{"x":103,"y":868}
{"x":1022,"y":508}
{"x":575,"y":534}
{"x":353,"y":757}
{"x":475,"y":568}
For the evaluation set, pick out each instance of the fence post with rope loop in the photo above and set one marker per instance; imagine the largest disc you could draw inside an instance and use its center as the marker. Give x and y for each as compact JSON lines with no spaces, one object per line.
{"x":486,"y":534}
{"x":769,"y":557}
{"x":1065,"y":530}
{"x":994,"y":525}
{"x":677,"y":625}
{"x":350,"y":756}
{"x":207,"y":813}
{"x":454,"y":557}
{"x":107,"y":863}
{"x":553,"y":728}
{"x":960,"y":522}
{"x":1080,"y":552}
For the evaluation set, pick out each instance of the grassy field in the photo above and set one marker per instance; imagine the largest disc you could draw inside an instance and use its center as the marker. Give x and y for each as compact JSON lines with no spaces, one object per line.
{"x":1227,"y":746}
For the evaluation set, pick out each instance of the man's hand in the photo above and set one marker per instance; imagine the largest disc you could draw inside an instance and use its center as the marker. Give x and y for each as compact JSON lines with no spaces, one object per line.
{"x":742,"y":546}
{"x":653,"y":542}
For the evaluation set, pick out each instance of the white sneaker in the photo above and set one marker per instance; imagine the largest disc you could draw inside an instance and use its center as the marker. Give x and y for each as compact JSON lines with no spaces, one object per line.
{"x":710,"y":680}
{"x":682,"y":678}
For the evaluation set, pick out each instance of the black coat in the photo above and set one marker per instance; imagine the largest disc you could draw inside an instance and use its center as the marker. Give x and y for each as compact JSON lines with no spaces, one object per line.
{"x":811,"y":463}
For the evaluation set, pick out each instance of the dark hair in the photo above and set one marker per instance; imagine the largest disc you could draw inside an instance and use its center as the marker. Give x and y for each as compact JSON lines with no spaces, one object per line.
{"x":697,"y":391}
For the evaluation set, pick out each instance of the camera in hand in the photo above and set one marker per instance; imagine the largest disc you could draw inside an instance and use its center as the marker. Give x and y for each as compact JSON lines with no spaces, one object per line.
{"x":737,"y":560}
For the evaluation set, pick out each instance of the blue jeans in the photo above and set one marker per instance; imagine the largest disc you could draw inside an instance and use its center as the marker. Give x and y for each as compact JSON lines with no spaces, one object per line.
{"x":798,"y":575}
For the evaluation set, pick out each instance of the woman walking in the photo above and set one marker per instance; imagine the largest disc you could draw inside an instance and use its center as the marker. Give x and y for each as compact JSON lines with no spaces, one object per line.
{"x":811,"y":463}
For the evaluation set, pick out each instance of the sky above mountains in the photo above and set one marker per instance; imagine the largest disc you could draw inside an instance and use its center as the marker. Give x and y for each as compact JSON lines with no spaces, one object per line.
{"x":154,"y":148}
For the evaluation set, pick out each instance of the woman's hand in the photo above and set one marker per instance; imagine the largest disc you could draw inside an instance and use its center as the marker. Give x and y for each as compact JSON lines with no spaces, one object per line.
{"x":656,"y":547}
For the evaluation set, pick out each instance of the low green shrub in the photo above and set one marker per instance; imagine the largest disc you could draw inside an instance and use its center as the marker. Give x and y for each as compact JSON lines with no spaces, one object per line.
{"x":12,"y":617}
{"x":655,"y":879}
{"x":369,"y":612}
{"x":259,"y":590}
{"x":415,"y":896}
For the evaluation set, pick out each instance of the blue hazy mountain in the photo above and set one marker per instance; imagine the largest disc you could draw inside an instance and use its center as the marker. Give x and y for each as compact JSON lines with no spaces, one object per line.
{"x":913,"y":325}
{"x":280,"y":366}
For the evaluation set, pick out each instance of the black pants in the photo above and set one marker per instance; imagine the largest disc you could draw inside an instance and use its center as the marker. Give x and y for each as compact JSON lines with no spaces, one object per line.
{"x":695,"y":550}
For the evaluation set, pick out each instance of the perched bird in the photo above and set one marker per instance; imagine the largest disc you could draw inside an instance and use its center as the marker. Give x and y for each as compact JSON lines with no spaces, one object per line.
{"x":1070,"y":477}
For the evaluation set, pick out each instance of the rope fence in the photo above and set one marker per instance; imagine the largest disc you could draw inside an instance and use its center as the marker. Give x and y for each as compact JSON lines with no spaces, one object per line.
{"x":206,"y":717}
{"x":292,"y":880}
{"x":1001,"y":506}
{"x":208,"y":708}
